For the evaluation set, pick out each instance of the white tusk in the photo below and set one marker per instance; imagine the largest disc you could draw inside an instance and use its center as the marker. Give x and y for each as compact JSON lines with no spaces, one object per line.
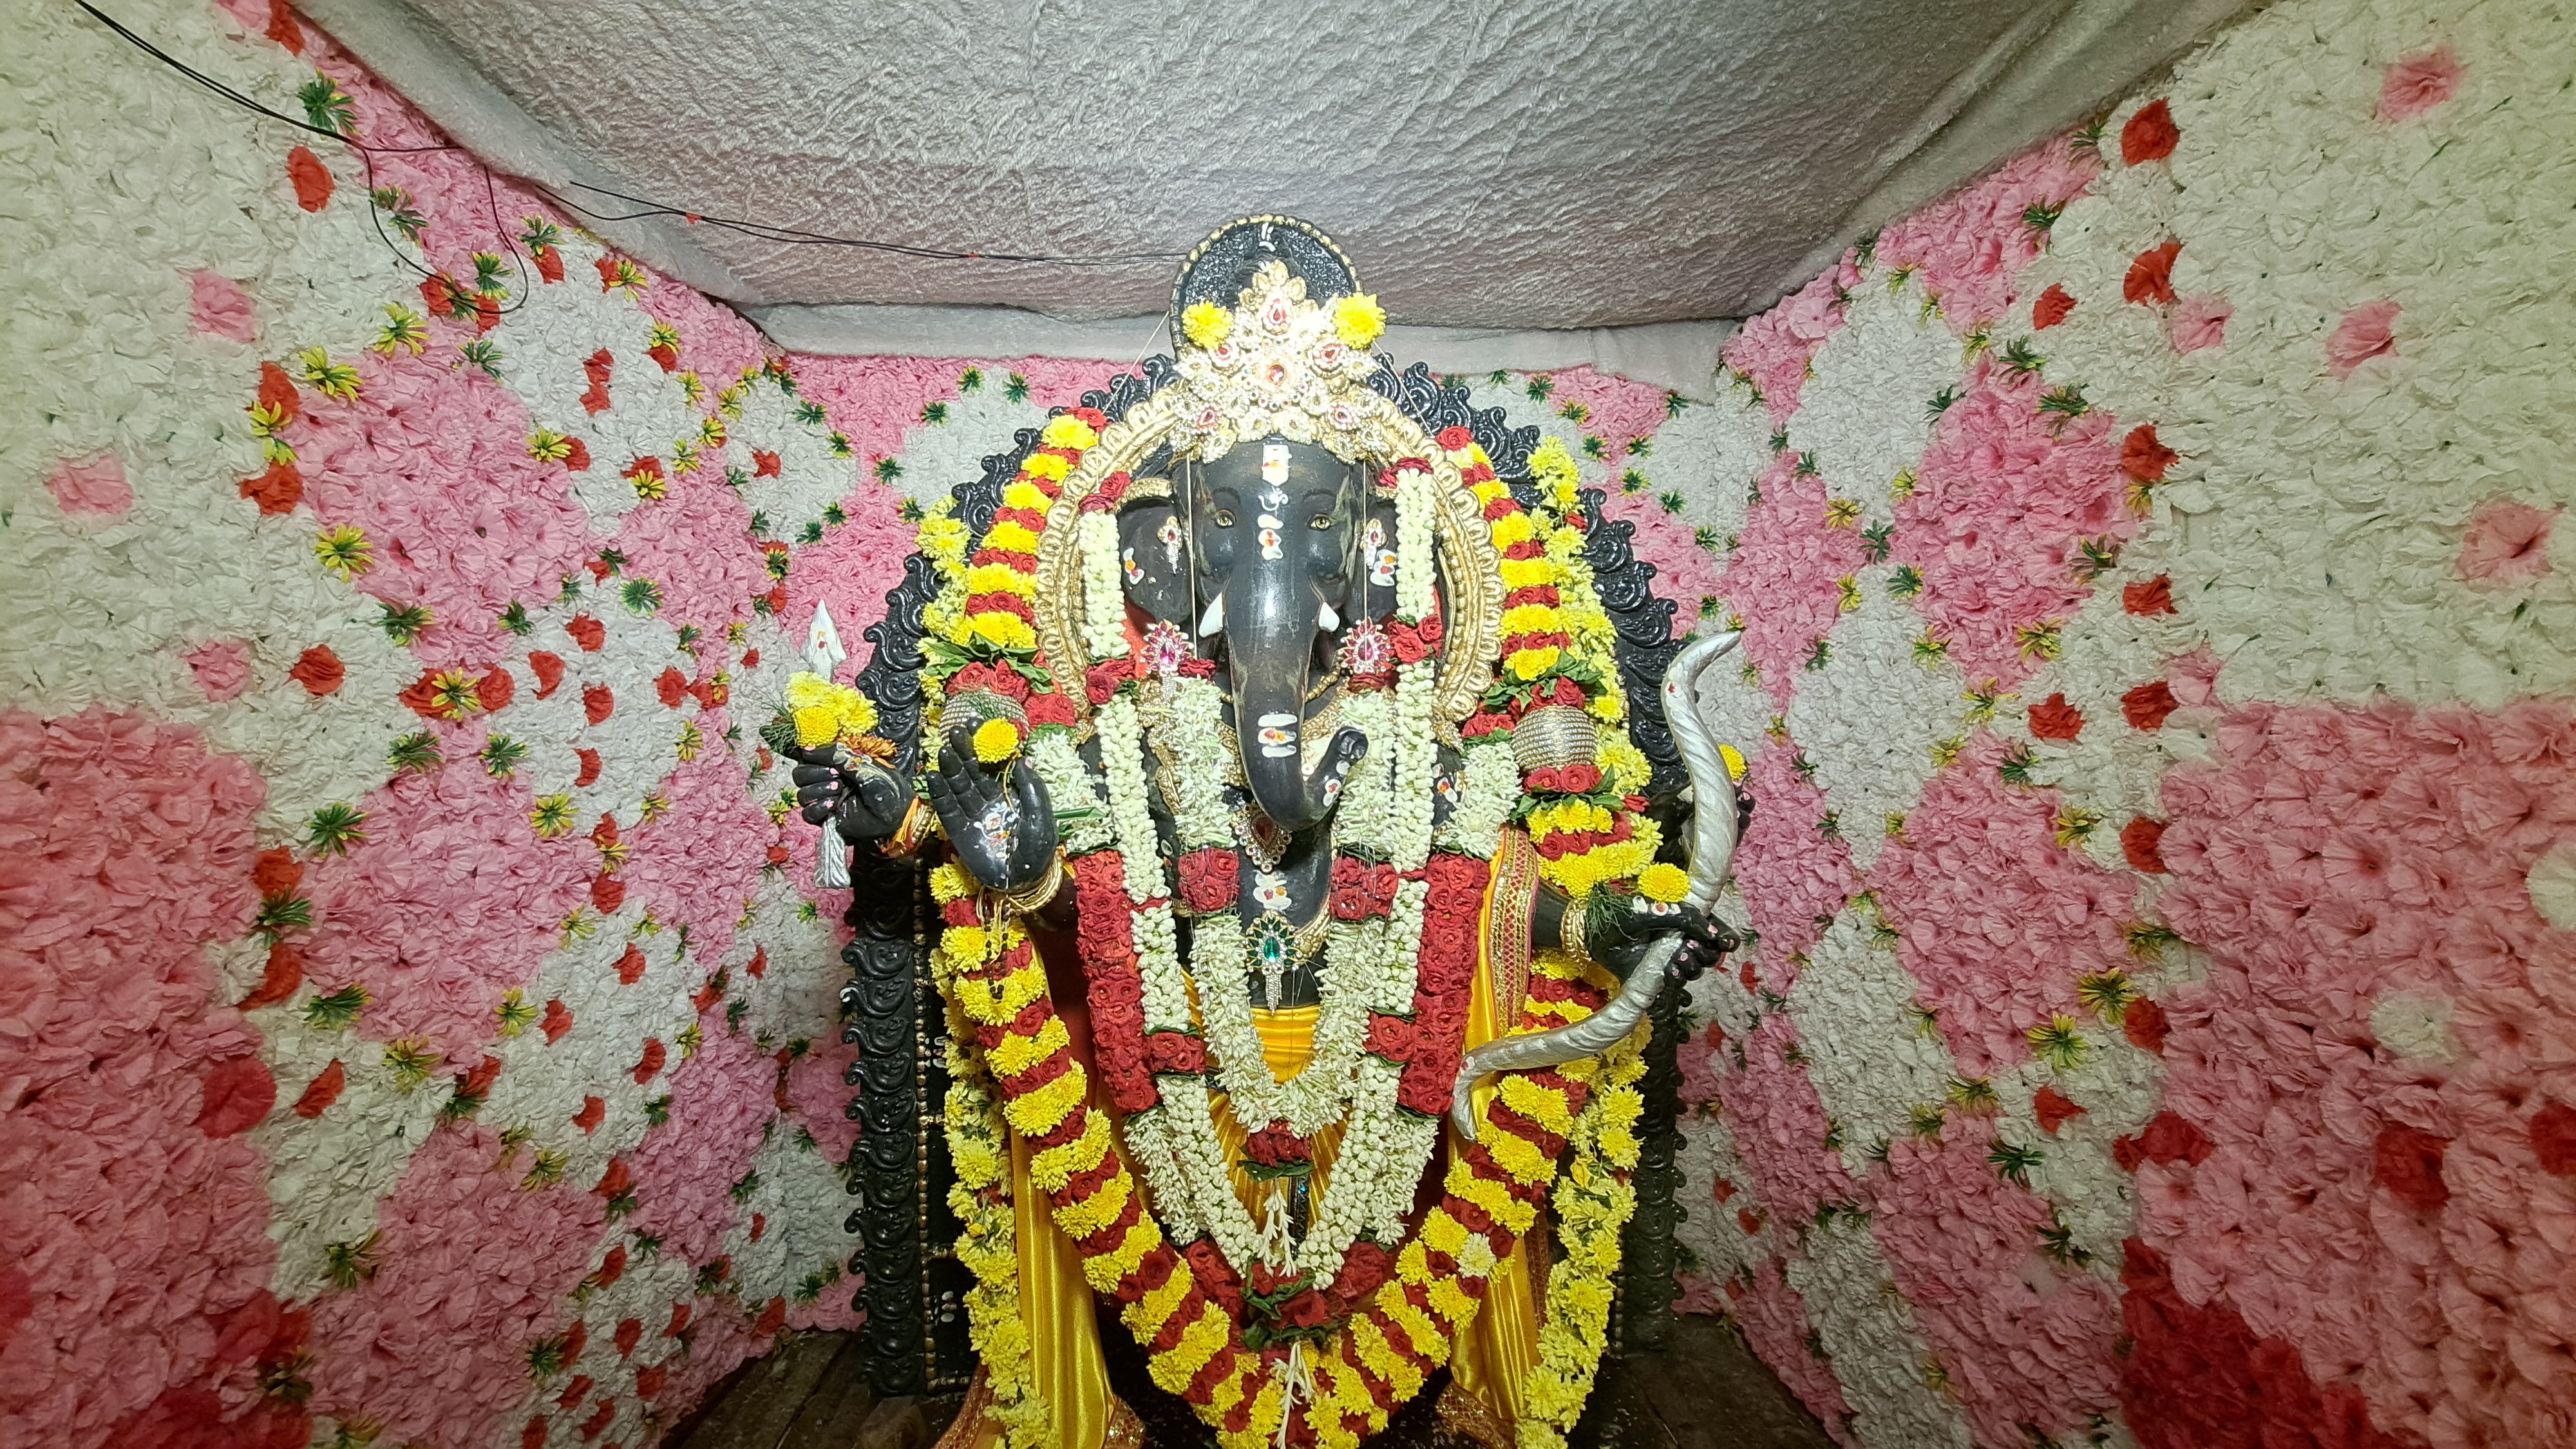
{"x":1214,"y":619}
{"x":1712,"y":853}
{"x":1326,"y":619}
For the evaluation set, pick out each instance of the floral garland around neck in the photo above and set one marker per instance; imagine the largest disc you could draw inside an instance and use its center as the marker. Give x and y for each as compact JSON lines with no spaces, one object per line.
{"x":1363,"y":1323}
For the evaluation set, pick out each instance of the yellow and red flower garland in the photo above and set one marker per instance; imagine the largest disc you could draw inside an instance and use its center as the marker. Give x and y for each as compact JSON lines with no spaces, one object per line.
{"x":1493,"y":1190}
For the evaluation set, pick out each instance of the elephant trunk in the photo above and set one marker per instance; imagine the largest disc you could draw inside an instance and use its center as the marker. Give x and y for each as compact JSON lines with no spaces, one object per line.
{"x":1270,"y":641}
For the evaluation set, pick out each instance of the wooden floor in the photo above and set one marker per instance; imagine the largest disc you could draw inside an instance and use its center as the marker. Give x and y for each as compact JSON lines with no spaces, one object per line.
{"x":1708,"y":1392}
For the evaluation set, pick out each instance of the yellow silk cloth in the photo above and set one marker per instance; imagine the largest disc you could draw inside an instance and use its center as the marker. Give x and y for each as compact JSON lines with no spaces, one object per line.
{"x":1287,"y":1045}
{"x":1493,"y":1356}
{"x":1490,"y":1359}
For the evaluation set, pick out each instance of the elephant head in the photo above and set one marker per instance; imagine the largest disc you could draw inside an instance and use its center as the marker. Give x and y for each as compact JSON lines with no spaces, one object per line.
{"x":1258,"y":556}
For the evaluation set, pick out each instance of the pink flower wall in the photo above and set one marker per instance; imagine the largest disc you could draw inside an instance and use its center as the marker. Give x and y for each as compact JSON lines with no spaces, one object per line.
{"x":415,"y":1021}
{"x":2164,"y":872}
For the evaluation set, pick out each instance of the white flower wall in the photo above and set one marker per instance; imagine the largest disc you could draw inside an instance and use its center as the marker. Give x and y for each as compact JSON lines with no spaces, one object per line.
{"x":2159,"y":641}
{"x":414,"y":1019}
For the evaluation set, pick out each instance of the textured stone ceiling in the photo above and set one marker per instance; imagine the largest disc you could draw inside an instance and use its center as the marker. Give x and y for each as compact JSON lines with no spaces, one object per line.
{"x":1497,"y":163}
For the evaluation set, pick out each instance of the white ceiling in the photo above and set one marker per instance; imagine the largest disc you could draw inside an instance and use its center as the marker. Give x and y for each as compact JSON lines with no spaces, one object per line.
{"x":1487,"y":163}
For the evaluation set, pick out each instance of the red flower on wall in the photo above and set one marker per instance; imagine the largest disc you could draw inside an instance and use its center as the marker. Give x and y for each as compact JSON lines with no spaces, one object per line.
{"x":2149,"y":705}
{"x":312,"y":179}
{"x":2054,"y":719}
{"x":2150,"y":278}
{"x":2150,"y":135}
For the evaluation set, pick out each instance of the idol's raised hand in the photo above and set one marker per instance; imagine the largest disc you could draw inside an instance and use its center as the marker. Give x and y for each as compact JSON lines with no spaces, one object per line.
{"x":999,"y":822}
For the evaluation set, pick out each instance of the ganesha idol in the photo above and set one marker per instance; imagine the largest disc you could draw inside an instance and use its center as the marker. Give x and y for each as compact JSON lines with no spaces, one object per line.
{"x":1299,"y":900}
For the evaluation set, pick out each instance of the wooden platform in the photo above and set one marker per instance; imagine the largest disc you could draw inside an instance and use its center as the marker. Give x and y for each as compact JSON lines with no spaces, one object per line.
{"x":1708,"y":1392}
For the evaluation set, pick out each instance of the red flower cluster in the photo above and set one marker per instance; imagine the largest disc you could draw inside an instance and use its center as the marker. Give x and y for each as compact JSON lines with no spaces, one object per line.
{"x":988,"y":679}
{"x":1047,"y":707}
{"x":1103,"y":681}
{"x":1362,"y":889}
{"x":1577,"y":779}
{"x":1276,"y":1145}
{"x":1106,"y":497}
{"x":1210,"y":879}
{"x":1433,"y":1040}
{"x":1116,"y":986}
{"x":1562,"y":843}
{"x":1413,"y":643}
{"x":1176,"y":1051}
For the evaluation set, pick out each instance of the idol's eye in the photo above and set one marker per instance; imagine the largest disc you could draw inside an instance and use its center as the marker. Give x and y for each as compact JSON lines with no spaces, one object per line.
{"x":1223,"y":517}
{"x":1320,"y":522}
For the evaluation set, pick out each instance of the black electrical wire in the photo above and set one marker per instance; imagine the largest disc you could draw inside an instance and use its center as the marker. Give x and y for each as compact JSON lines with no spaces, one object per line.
{"x":648,"y":208}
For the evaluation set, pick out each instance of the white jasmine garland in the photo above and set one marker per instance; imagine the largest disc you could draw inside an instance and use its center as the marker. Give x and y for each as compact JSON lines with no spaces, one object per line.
{"x":1158,"y":950}
{"x":1396,"y":969}
{"x":1417,"y":754}
{"x":1360,"y":821}
{"x":1193,"y":730}
{"x":1370,"y":1189}
{"x":1082,"y":819}
{"x":1489,"y":786}
{"x":1122,"y":758}
{"x":1414,"y":565}
{"x":1104,"y":602}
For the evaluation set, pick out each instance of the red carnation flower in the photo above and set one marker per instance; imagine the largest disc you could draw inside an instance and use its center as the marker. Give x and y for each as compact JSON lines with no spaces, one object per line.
{"x":2149,"y":705}
{"x":2051,"y":308}
{"x":2142,"y":457}
{"x":322,"y":1091}
{"x":2150,"y":278}
{"x":2144,"y":1024}
{"x":285,"y":973}
{"x":318,"y":670}
{"x":2150,"y":135}
{"x":2153,"y":596}
{"x":2139,"y":841}
{"x":2054,"y":719}
{"x":312,"y":179}
{"x":2553,"y":1139}
{"x":276,"y":491}
{"x":2053,"y":1109}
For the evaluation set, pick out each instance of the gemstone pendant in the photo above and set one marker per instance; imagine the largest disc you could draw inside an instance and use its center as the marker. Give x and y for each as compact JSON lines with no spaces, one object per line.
{"x":1273,"y":946}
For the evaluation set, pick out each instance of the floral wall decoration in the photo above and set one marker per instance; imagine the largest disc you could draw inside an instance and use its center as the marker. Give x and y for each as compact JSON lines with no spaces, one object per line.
{"x":2160,"y":688}
{"x":415,"y":1019}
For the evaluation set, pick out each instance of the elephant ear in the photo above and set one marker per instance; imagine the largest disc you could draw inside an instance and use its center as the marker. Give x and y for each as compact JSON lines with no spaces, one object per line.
{"x":1153,"y":561}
